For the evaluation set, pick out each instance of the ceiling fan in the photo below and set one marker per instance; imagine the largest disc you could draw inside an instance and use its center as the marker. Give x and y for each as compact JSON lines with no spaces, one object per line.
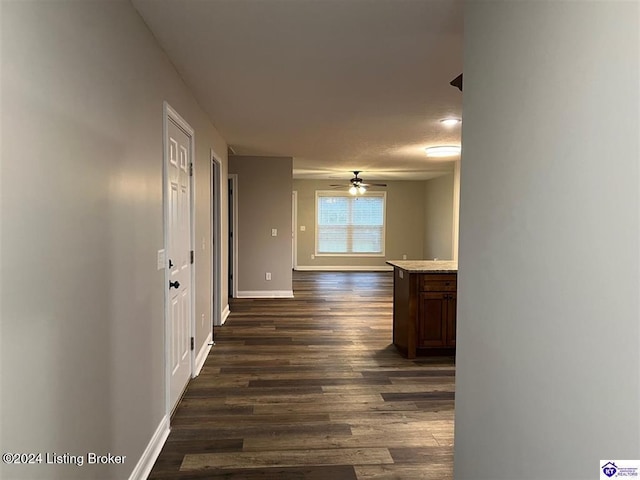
{"x":357,"y":186}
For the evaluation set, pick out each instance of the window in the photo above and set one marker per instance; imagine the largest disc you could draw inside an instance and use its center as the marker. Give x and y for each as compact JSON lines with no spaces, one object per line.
{"x":350,"y":224}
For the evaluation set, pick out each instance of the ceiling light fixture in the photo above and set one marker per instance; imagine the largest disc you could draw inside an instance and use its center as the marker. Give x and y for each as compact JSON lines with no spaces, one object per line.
{"x":443,"y":151}
{"x":450,"y":122}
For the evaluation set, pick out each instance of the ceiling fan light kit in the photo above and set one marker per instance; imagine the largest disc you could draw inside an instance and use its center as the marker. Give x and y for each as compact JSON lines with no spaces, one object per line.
{"x":357,"y":186}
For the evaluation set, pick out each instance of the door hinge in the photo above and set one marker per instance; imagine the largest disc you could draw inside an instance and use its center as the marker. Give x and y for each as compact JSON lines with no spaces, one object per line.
{"x":191,"y":169}
{"x":192,"y":255}
{"x":192,"y":344}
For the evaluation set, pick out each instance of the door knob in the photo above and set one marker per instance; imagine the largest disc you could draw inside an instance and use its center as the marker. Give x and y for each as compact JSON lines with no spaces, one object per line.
{"x":175,"y":284}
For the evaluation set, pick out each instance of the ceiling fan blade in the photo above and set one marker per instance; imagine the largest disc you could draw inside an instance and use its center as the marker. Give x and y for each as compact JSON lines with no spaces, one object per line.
{"x":373,"y":184}
{"x":457,"y":82}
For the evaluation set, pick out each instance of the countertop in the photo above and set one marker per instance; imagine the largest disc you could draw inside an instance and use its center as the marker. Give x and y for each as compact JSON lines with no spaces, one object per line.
{"x":425,"y":266}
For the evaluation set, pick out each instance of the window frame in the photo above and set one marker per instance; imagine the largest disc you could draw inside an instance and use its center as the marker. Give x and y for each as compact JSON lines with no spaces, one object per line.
{"x":368,"y":193}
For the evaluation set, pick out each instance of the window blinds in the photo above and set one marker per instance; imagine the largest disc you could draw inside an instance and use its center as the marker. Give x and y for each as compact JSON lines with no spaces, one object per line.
{"x":349,"y":224}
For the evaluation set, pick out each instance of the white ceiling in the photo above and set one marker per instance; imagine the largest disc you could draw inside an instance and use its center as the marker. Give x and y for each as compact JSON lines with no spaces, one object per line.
{"x":339,"y":85}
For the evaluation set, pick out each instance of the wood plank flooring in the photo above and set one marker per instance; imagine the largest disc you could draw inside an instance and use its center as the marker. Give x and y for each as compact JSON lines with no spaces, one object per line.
{"x":312,"y":388}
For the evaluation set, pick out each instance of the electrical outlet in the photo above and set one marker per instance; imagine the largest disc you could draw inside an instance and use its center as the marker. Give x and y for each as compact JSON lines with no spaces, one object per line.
{"x":274,"y":232}
{"x":203,"y":319}
{"x":302,"y":228}
{"x":404,"y":256}
{"x":312,"y":256}
{"x":267,"y":276}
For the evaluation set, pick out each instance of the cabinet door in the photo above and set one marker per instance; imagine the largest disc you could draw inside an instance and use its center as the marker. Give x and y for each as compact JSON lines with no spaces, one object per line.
{"x":432,"y":319}
{"x":451,"y":320}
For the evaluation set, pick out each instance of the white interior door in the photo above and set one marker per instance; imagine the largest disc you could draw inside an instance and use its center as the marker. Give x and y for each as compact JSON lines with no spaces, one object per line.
{"x":178,"y":248}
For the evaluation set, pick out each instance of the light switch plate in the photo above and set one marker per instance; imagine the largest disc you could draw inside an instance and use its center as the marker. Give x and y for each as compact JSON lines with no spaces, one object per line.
{"x":161,"y":259}
{"x":274,"y":232}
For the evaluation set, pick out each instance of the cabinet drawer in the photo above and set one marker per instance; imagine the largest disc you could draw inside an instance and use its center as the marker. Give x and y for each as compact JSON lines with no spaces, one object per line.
{"x":438,"y":283}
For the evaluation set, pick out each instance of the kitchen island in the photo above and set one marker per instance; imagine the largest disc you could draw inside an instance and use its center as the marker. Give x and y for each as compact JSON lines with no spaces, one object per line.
{"x":424,"y":307}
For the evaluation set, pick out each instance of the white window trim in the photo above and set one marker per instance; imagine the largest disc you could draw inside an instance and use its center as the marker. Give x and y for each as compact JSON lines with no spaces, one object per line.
{"x":333,"y":193}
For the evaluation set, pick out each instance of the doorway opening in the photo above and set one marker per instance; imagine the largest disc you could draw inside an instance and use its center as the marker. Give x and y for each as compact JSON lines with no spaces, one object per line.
{"x":294,"y":230}
{"x":233,"y":237}
{"x":216,"y":244}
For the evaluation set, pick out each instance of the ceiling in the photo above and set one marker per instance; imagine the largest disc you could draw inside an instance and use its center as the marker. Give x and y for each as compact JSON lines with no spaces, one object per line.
{"x":339,"y":85}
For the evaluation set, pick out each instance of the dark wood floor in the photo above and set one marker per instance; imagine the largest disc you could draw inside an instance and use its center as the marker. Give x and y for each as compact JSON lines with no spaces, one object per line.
{"x":312,"y":388}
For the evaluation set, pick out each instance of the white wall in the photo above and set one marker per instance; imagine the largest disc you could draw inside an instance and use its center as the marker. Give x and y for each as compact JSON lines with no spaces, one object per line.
{"x":82,"y":328}
{"x":405,"y":219}
{"x":438,"y":221}
{"x":264,"y":203}
{"x":548,"y":369}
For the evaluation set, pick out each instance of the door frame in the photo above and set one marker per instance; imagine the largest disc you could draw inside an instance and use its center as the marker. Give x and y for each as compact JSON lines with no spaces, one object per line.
{"x":233,"y":245}
{"x":169,"y":114}
{"x":294,"y":229}
{"x":216,"y":241}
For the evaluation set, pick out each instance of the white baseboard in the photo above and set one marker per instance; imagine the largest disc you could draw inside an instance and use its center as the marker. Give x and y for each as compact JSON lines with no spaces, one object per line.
{"x":311,"y":268}
{"x":225,"y":314}
{"x":265,"y":294}
{"x":202,"y":355}
{"x":151,"y":453}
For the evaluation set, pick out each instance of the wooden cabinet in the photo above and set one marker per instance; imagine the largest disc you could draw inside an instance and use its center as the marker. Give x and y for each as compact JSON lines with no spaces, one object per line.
{"x":436,"y":320}
{"x":424,"y":313}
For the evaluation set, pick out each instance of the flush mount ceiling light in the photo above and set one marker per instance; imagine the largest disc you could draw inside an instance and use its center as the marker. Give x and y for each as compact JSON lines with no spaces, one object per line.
{"x":443,"y":151}
{"x":450,"y":122}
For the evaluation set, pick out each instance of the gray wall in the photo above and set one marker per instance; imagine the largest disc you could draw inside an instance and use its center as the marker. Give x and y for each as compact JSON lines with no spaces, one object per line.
{"x":438,"y":224}
{"x":404,"y":225}
{"x":548,"y":369}
{"x":82,"y":327}
{"x":264,"y":202}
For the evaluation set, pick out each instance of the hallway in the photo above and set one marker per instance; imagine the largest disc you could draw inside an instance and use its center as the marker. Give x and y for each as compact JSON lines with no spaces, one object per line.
{"x":311,"y":388}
